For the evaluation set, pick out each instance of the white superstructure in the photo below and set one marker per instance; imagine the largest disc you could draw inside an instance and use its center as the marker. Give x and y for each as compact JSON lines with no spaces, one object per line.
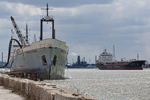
{"x":105,"y":57}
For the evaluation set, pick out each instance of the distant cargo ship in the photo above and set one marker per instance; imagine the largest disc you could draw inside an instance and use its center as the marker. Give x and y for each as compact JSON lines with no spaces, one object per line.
{"x":105,"y":62}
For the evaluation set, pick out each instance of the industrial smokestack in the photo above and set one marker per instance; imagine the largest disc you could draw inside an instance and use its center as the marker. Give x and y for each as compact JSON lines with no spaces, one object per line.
{"x":84,"y":58}
{"x":95,"y":58}
{"x":78,"y":59}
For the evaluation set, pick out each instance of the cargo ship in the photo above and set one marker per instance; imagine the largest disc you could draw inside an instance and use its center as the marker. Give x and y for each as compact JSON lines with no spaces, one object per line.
{"x":106,"y":62}
{"x":46,"y":57}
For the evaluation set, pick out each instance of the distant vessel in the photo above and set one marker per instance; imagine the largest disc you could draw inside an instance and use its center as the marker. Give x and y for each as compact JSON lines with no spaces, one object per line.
{"x":80,"y":64}
{"x":46,"y":57}
{"x":105,"y":62}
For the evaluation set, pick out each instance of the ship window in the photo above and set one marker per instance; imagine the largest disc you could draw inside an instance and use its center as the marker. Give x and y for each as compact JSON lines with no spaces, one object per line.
{"x":44,"y":62}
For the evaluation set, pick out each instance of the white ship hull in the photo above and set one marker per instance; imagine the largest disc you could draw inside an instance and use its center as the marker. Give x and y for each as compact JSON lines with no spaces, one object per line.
{"x":47,"y":58}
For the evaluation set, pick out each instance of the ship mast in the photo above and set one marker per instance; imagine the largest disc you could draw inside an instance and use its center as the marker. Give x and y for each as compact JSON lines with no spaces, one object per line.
{"x":27,"y":34}
{"x":47,"y":18}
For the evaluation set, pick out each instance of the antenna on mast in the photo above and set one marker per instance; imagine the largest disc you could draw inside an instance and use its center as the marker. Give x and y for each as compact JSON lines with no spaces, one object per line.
{"x":47,"y":9}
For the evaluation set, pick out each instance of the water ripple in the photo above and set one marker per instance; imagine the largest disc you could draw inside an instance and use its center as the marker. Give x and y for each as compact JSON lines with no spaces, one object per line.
{"x":108,"y":85}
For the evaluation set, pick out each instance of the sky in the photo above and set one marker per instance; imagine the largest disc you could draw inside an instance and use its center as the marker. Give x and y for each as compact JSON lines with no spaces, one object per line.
{"x":87,"y":26}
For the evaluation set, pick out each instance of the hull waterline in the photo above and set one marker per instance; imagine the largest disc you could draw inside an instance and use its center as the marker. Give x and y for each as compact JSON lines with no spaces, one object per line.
{"x":130,"y":68}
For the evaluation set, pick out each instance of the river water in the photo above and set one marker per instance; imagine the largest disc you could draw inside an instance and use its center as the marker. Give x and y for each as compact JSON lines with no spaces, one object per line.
{"x":108,"y":84}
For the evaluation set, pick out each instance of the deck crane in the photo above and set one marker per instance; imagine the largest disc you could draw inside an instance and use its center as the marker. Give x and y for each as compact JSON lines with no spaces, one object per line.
{"x":20,"y":36}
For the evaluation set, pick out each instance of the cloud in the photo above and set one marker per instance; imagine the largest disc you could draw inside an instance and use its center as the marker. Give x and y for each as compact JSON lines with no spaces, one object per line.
{"x":86,"y":26}
{"x":58,"y":3}
{"x":73,"y":54}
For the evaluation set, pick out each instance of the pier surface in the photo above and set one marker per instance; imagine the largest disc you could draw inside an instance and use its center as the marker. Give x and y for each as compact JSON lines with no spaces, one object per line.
{"x":6,"y":94}
{"x":36,"y":90}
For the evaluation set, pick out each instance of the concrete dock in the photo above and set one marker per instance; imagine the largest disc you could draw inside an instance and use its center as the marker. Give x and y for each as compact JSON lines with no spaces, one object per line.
{"x":6,"y":94}
{"x":36,"y":90}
